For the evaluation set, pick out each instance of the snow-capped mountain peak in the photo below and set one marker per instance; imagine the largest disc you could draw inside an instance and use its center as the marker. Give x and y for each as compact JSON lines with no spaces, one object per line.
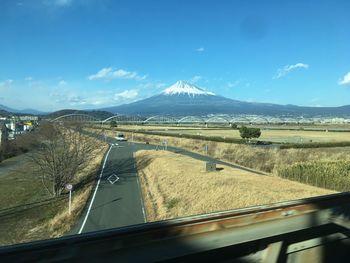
{"x":183,"y":87}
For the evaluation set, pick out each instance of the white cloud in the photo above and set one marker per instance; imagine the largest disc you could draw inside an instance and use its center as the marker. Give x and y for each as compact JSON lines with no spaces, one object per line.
{"x":195,"y":79}
{"x":286,"y":69}
{"x":345,"y":80}
{"x":151,"y":85}
{"x":77,"y":100}
{"x":6,"y":83}
{"x":102,"y":74}
{"x":200,"y":49}
{"x":29,"y":78}
{"x":63,"y":3}
{"x":233,"y":84}
{"x":58,"y":3}
{"x":160,"y":85}
{"x":62,"y":83}
{"x":109,"y":74}
{"x":66,"y":96}
{"x":126,"y":95}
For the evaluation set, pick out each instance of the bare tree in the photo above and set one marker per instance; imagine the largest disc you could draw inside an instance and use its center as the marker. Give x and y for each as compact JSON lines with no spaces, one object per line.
{"x":63,"y":153}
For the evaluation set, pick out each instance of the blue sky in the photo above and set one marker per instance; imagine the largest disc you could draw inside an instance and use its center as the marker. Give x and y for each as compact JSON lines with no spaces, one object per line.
{"x":81,"y":54}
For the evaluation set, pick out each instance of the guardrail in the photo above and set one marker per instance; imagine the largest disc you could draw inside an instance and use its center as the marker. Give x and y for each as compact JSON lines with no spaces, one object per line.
{"x":308,"y":230}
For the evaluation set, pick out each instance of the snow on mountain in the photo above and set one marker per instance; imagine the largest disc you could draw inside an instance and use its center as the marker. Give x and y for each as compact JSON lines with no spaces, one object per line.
{"x":182,"y":87}
{"x":184,"y":99}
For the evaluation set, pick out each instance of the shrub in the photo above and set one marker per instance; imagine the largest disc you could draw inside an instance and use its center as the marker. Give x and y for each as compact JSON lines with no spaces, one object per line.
{"x":172,"y":203}
{"x":314,"y":145}
{"x":234,"y":126}
{"x":114,"y":124}
{"x":333,"y":175}
{"x":248,"y":133}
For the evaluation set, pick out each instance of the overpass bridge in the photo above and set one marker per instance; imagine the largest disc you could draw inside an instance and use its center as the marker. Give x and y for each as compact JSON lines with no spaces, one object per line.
{"x":180,"y":120}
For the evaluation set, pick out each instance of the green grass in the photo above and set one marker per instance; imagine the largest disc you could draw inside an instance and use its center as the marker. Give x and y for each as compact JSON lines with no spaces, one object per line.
{"x":21,"y":186}
{"x":24,"y":206}
{"x":24,"y":225}
{"x":172,"y":203}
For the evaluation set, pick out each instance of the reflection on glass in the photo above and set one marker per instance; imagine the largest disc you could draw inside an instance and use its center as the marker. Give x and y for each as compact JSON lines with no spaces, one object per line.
{"x":118,"y":114}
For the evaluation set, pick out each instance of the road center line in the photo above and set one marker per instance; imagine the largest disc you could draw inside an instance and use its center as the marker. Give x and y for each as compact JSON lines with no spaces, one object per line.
{"x":93,"y":197}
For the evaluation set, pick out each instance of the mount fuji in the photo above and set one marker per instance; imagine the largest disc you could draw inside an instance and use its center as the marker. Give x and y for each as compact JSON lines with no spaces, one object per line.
{"x":183,"y":98}
{"x":184,"y":88}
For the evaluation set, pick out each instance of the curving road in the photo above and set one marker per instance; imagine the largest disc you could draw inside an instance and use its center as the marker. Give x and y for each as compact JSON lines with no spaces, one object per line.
{"x":117,"y":200}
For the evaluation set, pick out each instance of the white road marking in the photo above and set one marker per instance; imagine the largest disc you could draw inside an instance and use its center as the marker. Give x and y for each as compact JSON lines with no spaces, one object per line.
{"x":93,"y":197}
{"x":143,"y":208}
{"x":137,"y":180}
{"x":144,"y":214}
{"x":113,"y":178}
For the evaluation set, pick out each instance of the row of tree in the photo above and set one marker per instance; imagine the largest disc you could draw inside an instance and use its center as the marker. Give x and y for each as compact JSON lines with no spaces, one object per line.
{"x":62,"y":152}
{"x":22,"y":144}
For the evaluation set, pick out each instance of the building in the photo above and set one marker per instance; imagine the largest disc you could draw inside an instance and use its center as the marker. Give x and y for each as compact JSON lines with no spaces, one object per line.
{"x":11,"y":128}
{"x":29,"y":118}
{"x":3,"y":132}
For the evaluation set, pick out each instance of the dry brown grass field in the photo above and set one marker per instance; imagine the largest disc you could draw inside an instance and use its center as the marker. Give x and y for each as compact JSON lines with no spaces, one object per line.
{"x":288,"y":136}
{"x":158,"y":127}
{"x":63,"y":221}
{"x":174,"y":186}
{"x":262,"y":126}
{"x":262,"y":159}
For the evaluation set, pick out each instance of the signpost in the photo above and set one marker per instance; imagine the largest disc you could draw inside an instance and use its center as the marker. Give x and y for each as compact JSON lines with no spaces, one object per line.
{"x":165,"y":143}
{"x":206,"y":149}
{"x":69,"y":188}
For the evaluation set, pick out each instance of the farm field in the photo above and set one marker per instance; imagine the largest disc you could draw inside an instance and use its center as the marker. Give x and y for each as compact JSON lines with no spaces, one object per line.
{"x":266,"y":159}
{"x":170,"y":194}
{"x":287,"y":136}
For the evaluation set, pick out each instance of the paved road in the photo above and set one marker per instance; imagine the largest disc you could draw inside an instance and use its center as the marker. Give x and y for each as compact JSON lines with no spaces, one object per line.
{"x":143,"y":146}
{"x":115,"y":204}
{"x":118,"y":204}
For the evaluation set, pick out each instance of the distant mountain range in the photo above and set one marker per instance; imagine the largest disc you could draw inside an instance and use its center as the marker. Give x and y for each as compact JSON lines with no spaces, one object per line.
{"x":25,"y":111}
{"x":183,"y":98}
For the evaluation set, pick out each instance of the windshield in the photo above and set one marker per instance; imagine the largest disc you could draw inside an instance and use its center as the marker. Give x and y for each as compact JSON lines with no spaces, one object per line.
{"x":118,"y":113}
